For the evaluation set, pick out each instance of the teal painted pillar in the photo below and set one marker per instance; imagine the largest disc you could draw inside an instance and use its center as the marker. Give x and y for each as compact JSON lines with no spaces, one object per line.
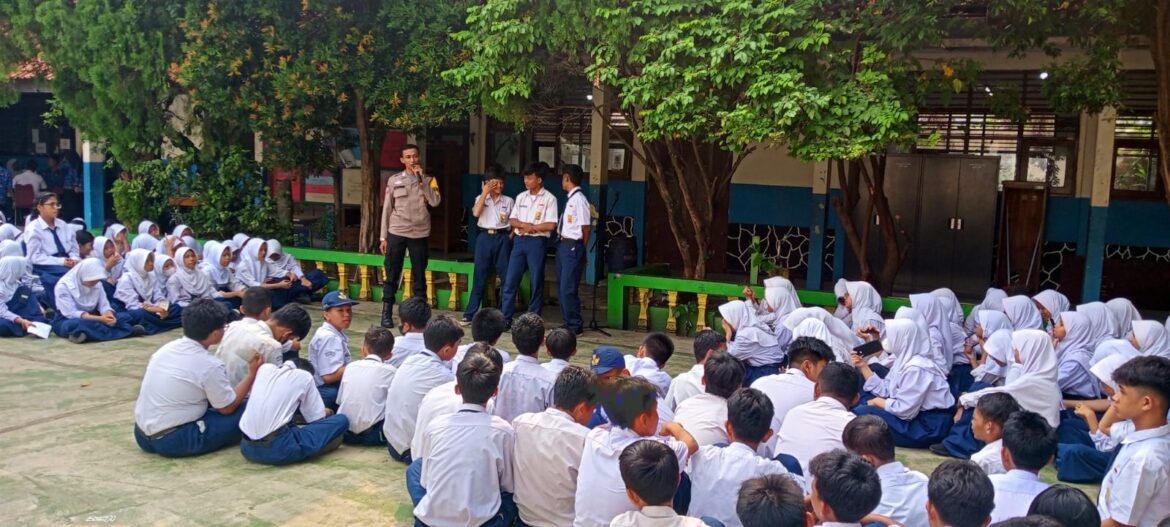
{"x":1095,"y":254}
{"x":598,"y":171}
{"x":93,"y":171}
{"x":1101,"y":131}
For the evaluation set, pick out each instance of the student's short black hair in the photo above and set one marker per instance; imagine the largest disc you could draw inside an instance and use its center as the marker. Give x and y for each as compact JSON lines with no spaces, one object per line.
{"x":625,"y":398}
{"x":561,"y":343}
{"x":576,"y":175}
{"x":705,"y":341}
{"x":415,"y":311}
{"x":723,"y":374}
{"x":1068,"y":505}
{"x":770,"y":501}
{"x":750,"y":413}
{"x":202,"y":317}
{"x":494,"y":171}
{"x":295,"y":318}
{"x":1030,"y":440}
{"x":961,"y":493}
{"x":809,"y":348}
{"x":997,"y":407}
{"x":1031,"y":520}
{"x":575,"y":385}
{"x":650,"y":469}
{"x":534,"y":169}
{"x":256,"y":300}
{"x":441,"y":331}
{"x":869,"y":434}
{"x":408,"y":146}
{"x":840,"y":380}
{"x":658,"y":347}
{"x":1150,"y":373}
{"x":846,"y":483}
{"x":303,"y":364}
{"x":528,"y":333}
{"x":480,"y":348}
{"x":83,"y":237}
{"x":487,"y":325}
{"x":379,"y":341}
{"x":477,"y":377}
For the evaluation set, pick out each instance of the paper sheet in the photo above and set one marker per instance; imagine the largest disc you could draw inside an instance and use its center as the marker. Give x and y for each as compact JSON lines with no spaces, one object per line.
{"x":40,"y":329}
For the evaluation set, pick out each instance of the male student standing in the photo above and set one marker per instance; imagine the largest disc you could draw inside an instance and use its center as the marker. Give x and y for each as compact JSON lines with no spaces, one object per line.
{"x":493,"y":243}
{"x":574,"y":231}
{"x":362,"y":395}
{"x":417,"y":376}
{"x":903,"y":490}
{"x":329,"y":349}
{"x":533,"y":219}
{"x":270,"y":436}
{"x":1136,"y":489}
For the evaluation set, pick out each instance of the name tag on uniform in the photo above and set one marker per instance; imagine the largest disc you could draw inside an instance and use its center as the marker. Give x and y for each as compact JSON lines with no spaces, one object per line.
{"x":569,"y":218}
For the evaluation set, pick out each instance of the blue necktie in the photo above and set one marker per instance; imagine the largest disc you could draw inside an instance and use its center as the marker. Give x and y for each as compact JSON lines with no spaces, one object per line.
{"x":61,"y":252}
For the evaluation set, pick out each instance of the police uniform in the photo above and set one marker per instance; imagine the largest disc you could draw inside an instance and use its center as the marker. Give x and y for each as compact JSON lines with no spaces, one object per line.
{"x":528,"y":250}
{"x":406,"y":224}
{"x":493,"y":246}
{"x":571,"y":256}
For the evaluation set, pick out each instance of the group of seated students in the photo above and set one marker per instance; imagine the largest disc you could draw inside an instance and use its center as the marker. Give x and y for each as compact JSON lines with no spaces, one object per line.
{"x":103,"y":288}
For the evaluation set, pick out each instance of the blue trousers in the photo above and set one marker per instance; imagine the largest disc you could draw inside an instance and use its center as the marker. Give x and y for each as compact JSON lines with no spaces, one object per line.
{"x":791,"y":463}
{"x":49,"y":275}
{"x":94,"y":330}
{"x":961,"y":442}
{"x":1073,"y":430}
{"x":527,"y":255}
{"x":217,"y":431}
{"x":296,"y":443}
{"x":960,"y":379}
{"x":755,"y":372}
{"x":371,"y":437}
{"x":155,"y":325}
{"x":329,"y":394}
{"x":491,"y":253}
{"x":1082,"y":464}
{"x":570,"y":265}
{"x":503,"y":518}
{"x":23,"y":304}
{"x":401,"y":457}
{"x":927,"y":428}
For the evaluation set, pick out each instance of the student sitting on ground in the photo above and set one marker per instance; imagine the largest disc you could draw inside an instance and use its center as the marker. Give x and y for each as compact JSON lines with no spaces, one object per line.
{"x":959,"y":495}
{"x":1136,"y":489}
{"x":413,"y":314}
{"x":19,"y":307}
{"x":270,"y":436}
{"x":717,"y":472}
{"x":845,"y":488}
{"x":487,"y":326}
{"x":1080,"y":463}
{"x":1068,"y":505}
{"x":525,"y":385}
{"x":650,"y":472}
{"x":444,"y":399}
{"x":705,"y":415}
{"x":561,"y":344}
{"x":186,"y":405}
{"x":780,"y":299}
{"x":608,"y":364}
{"x":903,"y":490}
{"x":417,"y":376}
{"x":189,"y":281}
{"x":362,"y":395}
{"x":548,"y":449}
{"x":107,"y":251}
{"x":147,"y":236}
{"x":250,"y":336}
{"x":991,"y":414}
{"x":807,"y":356}
{"x":217,"y":259}
{"x":84,"y":244}
{"x":631,"y":404}
{"x":254,"y":270}
{"x":772,"y":501}
{"x":458,"y":484}
{"x":329,"y":349}
{"x":140,"y":295}
{"x":1073,"y":333}
{"x":751,"y":341}
{"x":815,"y":427}
{"x":652,"y":356}
{"x":1028,"y":445}
{"x":283,"y":264}
{"x":690,"y":383}
{"x":83,"y":312}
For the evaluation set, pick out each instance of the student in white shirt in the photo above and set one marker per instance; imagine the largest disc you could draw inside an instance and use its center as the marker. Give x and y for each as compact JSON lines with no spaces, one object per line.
{"x":717,"y":472}
{"x":652,"y":356}
{"x":414,"y":379}
{"x":772,"y":501}
{"x":1136,"y":489}
{"x":959,"y":494}
{"x":250,"y":336}
{"x":487,"y":326}
{"x":186,"y":405}
{"x":281,"y":392}
{"x":650,"y":472}
{"x":1029,"y":444}
{"x":444,"y":399}
{"x":362,"y":394}
{"x":141,"y":293}
{"x":780,"y":299}
{"x":413,"y":314}
{"x":632,"y":407}
{"x":574,"y":229}
{"x":705,"y":415}
{"x":608,"y":363}
{"x":751,"y":341}
{"x":845,"y":488}
{"x":561,"y":345}
{"x":28,"y":176}
{"x":903,"y":490}
{"x":548,"y":450}
{"x":991,"y":413}
{"x":1068,"y":505}
{"x":690,"y":383}
{"x":493,"y":242}
{"x":533,"y":220}
{"x":329,"y":349}
{"x":525,"y":386}
{"x":49,"y":242}
{"x":815,"y":427}
{"x":464,"y":466}
{"x":807,"y":356}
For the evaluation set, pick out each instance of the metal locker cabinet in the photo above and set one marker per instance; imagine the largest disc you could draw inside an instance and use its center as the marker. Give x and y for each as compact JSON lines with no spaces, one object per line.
{"x":975,"y":226}
{"x":904,"y":193}
{"x":935,"y":238}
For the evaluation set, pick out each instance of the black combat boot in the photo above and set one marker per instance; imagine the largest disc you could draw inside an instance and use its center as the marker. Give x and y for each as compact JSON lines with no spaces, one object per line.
{"x":387,"y":315}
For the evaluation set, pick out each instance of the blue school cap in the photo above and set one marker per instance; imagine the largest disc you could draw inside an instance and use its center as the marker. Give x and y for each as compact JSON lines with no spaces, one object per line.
{"x":336,"y":299}
{"x":607,"y":358}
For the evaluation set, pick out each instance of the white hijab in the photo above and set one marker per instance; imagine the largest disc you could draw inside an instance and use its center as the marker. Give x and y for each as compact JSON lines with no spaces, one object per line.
{"x":1022,"y":313}
{"x":811,"y":327}
{"x":212,"y":252}
{"x":12,"y":269}
{"x":1113,"y":347}
{"x":161,"y":246}
{"x":84,"y":296}
{"x":1151,"y":337}
{"x":743,"y":320}
{"x":1036,"y":387}
{"x":951,"y":304}
{"x":867,"y":305}
{"x":1077,"y":344}
{"x":1104,"y":370}
{"x":282,"y":264}
{"x":9,"y":231}
{"x":999,"y":346}
{"x":910,"y":348}
{"x":10,"y":248}
{"x":179,"y":231}
{"x":160,"y":269}
{"x":144,"y":283}
{"x":112,"y":233}
{"x":1124,"y":313}
{"x":144,"y":240}
{"x":780,"y":295}
{"x":99,"y":252}
{"x":837,"y":328}
{"x":1100,"y":319}
{"x":841,"y":313}
{"x":252,"y":268}
{"x":1055,"y":302}
{"x":193,"y":280}
{"x":992,"y":299}
{"x":192,"y":243}
{"x":909,"y":313}
{"x":931,"y":309}
{"x":994,"y":322}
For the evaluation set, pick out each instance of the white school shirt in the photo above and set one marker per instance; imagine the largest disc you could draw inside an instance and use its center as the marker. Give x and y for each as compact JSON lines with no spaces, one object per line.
{"x":686,"y":385}
{"x":990,"y":458}
{"x":181,"y":379}
{"x":362,"y":394}
{"x":328,"y":351}
{"x":28,"y":177}
{"x":40,"y":247}
{"x":405,"y":346}
{"x":243,"y":339}
{"x":577,"y":215}
{"x":655,"y":516}
{"x":1136,"y":491}
{"x":441,"y":400}
{"x":415,"y":378}
{"x":813,"y":428}
{"x":646,"y":368}
{"x":903,"y":495}
{"x":535,"y":209}
{"x":601,"y":493}
{"x":1014,"y":492}
{"x":548,"y":453}
{"x":461,"y":352}
{"x":525,"y":386}
{"x":705,"y":417}
{"x":717,"y":473}
{"x":277,"y":394}
{"x":467,"y":462}
{"x":495,"y":213}
{"x":556,"y":365}
{"x":786,"y":391}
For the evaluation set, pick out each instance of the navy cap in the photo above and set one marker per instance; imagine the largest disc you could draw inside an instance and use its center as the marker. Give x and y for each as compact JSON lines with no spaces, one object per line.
{"x":336,"y":299}
{"x":607,"y":358}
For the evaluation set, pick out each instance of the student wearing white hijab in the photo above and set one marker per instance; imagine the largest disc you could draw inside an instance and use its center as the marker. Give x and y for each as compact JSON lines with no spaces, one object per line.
{"x":914,"y":399}
{"x":139,"y":295}
{"x":1101,"y":322}
{"x":216,"y":263}
{"x":1124,"y":313}
{"x":10,"y":248}
{"x":118,"y":233}
{"x":844,"y":339}
{"x":993,"y":300}
{"x":811,"y":327}
{"x":841,"y":313}
{"x":992,"y":366}
{"x":189,"y":282}
{"x":254,"y":270}
{"x":19,"y":305}
{"x":959,"y":375}
{"x":9,"y":231}
{"x":106,"y":250}
{"x":1074,"y":334}
{"x":750,"y":341}
{"x":1081,"y":463}
{"x":1149,"y":337}
{"x":1022,"y":313}
{"x":865,"y":306}
{"x":940,"y":337}
{"x":147,"y":236}
{"x":780,"y":299}
{"x":1051,"y":304}
{"x":83,"y":311}
{"x":282,"y":265}
{"x":167,"y":245}
{"x":1110,"y":347}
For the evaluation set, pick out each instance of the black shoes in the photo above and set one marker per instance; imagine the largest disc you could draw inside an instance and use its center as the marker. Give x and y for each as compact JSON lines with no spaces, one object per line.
{"x":137,"y":331}
{"x":387,"y":315}
{"x":941,"y":450}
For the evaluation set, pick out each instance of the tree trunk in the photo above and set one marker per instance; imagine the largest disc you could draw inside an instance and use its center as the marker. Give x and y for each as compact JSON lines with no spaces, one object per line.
{"x":856,"y":175}
{"x":1160,"y":49}
{"x":371,"y":155}
{"x":284,"y":212}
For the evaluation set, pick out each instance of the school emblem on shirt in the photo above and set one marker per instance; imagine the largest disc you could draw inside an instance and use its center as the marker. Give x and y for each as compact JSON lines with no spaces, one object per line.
{"x":569,"y":218}
{"x":539,"y":214}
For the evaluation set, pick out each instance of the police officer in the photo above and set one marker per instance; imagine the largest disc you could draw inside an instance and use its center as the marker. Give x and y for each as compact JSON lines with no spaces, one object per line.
{"x":406,"y":224}
{"x":574,"y":232}
{"x":493,"y":244}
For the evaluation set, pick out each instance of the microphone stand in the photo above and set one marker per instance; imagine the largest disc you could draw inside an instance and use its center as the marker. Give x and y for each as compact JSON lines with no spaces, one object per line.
{"x":593,"y":325}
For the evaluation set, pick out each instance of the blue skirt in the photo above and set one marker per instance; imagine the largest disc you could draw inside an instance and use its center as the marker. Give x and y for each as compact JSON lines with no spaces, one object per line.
{"x":960,"y":380}
{"x":961,"y":442}
{"x":927,"y":428}
{"x":24,"y":304}
{"x":155,"y":325}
